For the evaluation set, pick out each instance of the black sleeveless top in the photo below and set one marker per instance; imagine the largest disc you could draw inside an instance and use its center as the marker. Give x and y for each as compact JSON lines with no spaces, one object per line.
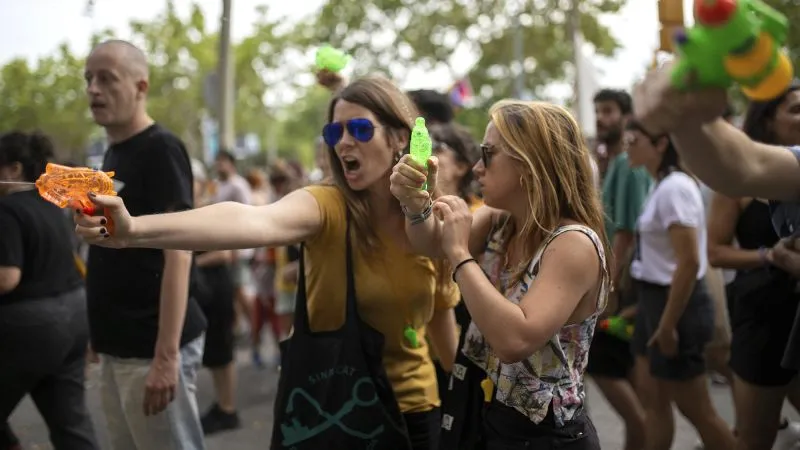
{"x":754,"y":228}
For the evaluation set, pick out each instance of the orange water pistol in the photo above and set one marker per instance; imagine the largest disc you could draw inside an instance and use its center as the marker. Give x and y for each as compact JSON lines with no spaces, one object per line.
{"x":69,"y":187}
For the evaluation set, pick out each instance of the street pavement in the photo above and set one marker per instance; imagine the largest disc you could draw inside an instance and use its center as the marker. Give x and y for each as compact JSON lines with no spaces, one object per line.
{"x":257,"y":390}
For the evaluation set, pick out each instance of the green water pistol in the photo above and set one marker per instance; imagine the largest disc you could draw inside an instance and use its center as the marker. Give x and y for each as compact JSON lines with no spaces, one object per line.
{"x":617,"y":327}
{"x":411,"y":336}
{"x":735,"y":41}
{"x":331,"y":59}
{"x":421,"y":146}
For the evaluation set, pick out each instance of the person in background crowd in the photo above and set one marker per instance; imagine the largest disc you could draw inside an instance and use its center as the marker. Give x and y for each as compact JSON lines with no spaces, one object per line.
{"x":624,"y":189}
{"x":263,"y":270}
{"x":44,"y":332}
{"x":434,"y":106}
{"x":232,"y":187}
{"x":763,"y":299}
{"x":322,"y":171}
{"x":261,"y":194}
{"x":285,"y":178}
{"x":144,"y":324}
{"x":675,"y":316}
{"x":214,"y":291}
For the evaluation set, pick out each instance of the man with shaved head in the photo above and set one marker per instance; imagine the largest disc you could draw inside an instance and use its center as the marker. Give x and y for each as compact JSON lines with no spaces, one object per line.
{"x":144,"y":324}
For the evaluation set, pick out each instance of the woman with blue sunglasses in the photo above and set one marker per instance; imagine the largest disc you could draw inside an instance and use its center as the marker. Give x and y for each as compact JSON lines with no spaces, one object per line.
{"x":541,"y":282}
{"x":399,"y":293}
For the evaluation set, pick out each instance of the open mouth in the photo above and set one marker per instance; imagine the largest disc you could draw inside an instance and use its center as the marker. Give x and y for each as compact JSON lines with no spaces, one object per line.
{"x":350,"y":164}
{"x":97,"y":106}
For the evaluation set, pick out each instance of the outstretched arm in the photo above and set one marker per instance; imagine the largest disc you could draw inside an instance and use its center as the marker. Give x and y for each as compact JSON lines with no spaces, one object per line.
{"x":294,"y":218}
{"x":729,"y":162}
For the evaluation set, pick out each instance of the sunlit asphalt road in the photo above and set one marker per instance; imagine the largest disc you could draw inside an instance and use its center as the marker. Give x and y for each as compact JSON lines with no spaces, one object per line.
{"x":256,"y":393}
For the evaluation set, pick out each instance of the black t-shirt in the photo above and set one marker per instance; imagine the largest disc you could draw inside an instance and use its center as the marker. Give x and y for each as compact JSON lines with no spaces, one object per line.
{"x":36,"y":238}
{"x":124,"y":286}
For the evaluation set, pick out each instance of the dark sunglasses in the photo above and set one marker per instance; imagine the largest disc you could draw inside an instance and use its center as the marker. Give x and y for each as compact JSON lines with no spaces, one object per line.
{"x":361,"y":129}
{"x":487,"y":152}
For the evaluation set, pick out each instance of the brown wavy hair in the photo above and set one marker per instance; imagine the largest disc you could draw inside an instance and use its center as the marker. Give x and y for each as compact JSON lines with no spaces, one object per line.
{"x":556,"y":171}
{"x":396,"y":114}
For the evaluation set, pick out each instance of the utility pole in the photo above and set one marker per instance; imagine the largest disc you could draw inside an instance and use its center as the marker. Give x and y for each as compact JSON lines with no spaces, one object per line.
{"x":574,"y":27}
{"x":519,"y":56}
{"x":225,"y":69}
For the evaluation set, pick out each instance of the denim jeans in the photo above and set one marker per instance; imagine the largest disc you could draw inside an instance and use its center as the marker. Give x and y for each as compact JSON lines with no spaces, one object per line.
{"x":122,"y":390}
{"x":43,"y":353}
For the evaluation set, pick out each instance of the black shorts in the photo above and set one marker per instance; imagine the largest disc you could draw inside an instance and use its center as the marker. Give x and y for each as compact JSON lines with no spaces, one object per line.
{"x":609,"y":356}
{"x":695,"y":330}
{"x":219,"y":310}
{"x":762,"y":320}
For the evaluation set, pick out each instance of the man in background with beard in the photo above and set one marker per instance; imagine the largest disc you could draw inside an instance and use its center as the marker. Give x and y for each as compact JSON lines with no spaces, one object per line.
{"x":624,"y":191}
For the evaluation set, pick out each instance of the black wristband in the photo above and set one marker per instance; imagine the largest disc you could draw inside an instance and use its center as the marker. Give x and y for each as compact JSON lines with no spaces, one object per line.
{"x":461,"y":264}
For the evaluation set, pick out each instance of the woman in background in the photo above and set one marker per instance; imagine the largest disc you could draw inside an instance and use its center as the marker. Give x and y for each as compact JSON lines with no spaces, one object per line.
{"x":44,"y":332}
{"x":675,"y":316}
{"x":215,"y":294}
{"x":763,"y":299}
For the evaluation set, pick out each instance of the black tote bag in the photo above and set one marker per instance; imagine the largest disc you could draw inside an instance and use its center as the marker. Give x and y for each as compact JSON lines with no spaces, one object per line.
{"x":333,"y":392}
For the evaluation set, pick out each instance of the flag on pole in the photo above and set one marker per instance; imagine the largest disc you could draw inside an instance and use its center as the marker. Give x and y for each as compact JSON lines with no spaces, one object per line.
{"x":461,"y":92}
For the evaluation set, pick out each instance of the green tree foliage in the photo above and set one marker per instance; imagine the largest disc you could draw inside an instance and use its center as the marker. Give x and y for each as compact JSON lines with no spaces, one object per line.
{"x":50,"y":94}
{"x":791,"y":8}
{"x":394,"y":35}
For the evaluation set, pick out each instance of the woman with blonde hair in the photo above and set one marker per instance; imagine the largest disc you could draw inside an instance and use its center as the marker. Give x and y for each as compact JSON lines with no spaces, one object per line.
{"x":542,"y":280}
{"x":365,"y":302}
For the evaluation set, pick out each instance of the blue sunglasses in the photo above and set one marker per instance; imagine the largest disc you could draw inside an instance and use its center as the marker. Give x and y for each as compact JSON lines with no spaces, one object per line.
{"x":361,"y":129}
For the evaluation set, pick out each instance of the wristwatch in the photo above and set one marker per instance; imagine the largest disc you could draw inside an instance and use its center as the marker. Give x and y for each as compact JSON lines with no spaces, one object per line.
{"x":418,"y":218}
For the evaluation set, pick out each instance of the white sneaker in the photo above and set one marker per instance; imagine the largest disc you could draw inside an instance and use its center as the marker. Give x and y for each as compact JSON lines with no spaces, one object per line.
{"x":788,"y":438}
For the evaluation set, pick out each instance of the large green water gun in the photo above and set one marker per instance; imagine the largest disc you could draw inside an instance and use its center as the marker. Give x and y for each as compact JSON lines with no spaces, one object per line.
{"x":617,"y":327}
{"x":331,"y":59}
{"x":735,"y":41}
{"x":421,"y":147}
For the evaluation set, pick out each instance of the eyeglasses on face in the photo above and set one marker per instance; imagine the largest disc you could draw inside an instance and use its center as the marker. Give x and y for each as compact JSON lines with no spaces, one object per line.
{"x":487,"y":153}
{"x":360,"y":128}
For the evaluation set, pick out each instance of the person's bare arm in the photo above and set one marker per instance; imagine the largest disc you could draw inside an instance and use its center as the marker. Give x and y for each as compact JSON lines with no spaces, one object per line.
{"x":426,"y":237}
{"x":722,"y":217}
{"x":684,"y":245}
{"x":228,"y":225}
{"x":728,"y":161}
{"x":443,"y":332}
{"x":214,"y":258}
{"x":621,"y":245}
{"x":174,"y":297}
{"x":569,"y":269}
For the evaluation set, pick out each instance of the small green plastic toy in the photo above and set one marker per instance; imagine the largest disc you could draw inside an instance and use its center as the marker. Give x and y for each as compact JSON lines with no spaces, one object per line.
{"x":411,"y":336}
{"x":329,"y":58}
{"x":617,"y":327}
{"x":421,"y":146}
{"x":735,"y":41}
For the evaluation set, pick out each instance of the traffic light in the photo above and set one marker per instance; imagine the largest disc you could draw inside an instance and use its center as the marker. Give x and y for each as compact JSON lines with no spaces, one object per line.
{"x":670,"y":16}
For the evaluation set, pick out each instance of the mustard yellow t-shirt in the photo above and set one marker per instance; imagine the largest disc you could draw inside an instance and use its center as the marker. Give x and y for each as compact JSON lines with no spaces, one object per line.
{"x":394,"y":289}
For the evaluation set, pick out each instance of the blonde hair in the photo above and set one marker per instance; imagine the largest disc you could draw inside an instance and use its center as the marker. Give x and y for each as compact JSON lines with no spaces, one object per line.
{"x":395,"y":113}
{"x":556,"y":171}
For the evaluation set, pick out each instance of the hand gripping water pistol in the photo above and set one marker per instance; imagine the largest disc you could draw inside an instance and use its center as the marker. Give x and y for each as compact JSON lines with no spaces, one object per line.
{"x":70,"y":187}
{"x":331,"y":59}
{"x":735,"y":41}
{"x":617,"y":327}
{"x":421,"y":146}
